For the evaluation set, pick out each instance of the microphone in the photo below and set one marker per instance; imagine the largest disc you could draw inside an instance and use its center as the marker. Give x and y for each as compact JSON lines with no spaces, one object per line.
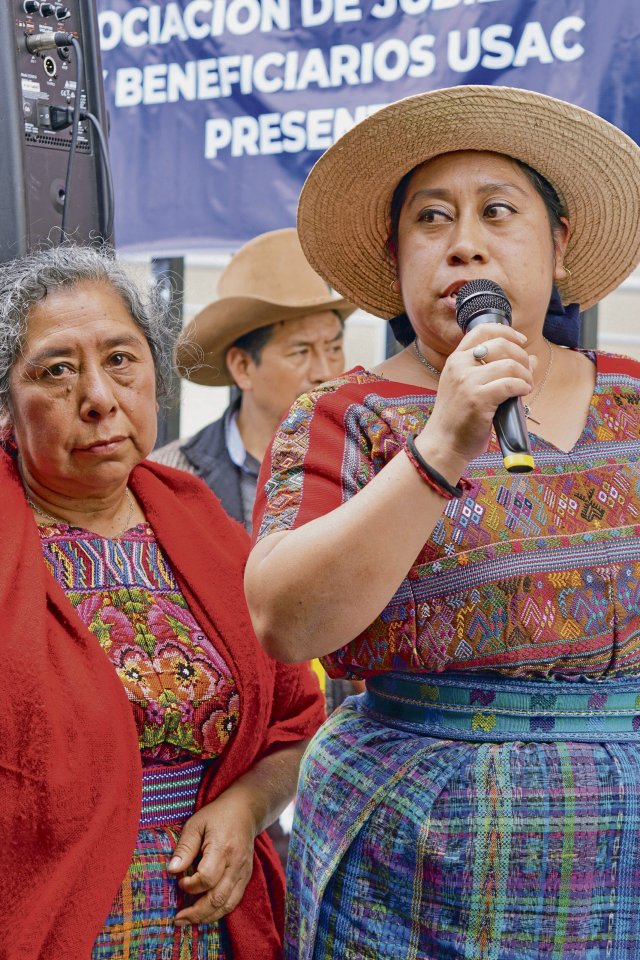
{"x":483,"y":301}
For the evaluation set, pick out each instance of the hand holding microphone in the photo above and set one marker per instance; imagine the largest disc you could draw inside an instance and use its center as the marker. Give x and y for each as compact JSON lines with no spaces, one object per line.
{"x":483,"y":301}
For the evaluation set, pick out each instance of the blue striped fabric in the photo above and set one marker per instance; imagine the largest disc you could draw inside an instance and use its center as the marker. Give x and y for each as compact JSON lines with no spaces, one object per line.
{"x":169,"y":793}
{"x":484,"y":707}
{"x":410,"y":847}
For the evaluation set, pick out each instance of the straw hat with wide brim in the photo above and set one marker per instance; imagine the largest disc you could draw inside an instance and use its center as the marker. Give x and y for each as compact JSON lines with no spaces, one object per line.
{"x":343,"y":215}
{"x":266,"y":281}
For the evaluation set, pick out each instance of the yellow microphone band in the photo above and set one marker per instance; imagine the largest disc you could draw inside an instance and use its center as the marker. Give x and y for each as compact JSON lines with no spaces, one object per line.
{"x":519,"y":462}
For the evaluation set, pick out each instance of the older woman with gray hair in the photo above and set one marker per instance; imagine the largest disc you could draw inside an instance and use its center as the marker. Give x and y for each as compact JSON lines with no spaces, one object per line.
{"x":146,"y":741}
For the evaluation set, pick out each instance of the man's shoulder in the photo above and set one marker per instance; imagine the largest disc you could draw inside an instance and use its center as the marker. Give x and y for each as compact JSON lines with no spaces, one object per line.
{"x":193,"y":453}
{"x":172,"y":455}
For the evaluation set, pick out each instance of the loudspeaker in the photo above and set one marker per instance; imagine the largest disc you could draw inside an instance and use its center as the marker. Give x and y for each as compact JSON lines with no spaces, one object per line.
{"x":34,"y":156}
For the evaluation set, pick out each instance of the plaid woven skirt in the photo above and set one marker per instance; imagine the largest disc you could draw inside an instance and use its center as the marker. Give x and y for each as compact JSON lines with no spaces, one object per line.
{"x":140,"y":924}
{"x":487,"y":845}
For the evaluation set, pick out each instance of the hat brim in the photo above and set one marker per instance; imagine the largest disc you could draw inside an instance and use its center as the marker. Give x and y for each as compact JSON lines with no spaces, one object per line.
{"x":203,"y":344}
{"x":343,"y":214}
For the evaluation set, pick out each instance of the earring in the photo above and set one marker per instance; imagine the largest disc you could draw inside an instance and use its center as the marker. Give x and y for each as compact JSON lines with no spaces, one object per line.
{"x":568,"y":273}
{"x":394,"y":286}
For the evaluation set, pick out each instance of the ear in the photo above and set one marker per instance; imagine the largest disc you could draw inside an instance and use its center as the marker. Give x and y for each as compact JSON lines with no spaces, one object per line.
{"x":6,"y":420}
{"x":240,"y":365}
{"x":6,"y":426}
{"x":560,"y":241}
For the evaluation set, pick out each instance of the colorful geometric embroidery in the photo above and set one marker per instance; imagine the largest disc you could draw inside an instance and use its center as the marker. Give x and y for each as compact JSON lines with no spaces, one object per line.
{"x":531,"y":574}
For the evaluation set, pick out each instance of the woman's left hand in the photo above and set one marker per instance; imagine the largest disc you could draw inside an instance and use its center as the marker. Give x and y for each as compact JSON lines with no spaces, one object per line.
{"x":222,"y":833}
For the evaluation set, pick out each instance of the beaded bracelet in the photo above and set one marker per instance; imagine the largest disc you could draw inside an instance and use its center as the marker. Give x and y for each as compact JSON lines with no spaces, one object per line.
{"x":431,"y":477}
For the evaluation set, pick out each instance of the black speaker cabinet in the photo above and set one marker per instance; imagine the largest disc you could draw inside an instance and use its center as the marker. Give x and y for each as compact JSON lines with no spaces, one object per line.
{"x":33,"y":156}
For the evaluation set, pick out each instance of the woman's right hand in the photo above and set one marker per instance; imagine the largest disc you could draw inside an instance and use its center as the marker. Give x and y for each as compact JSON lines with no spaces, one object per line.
{"x":469,"y":391}
{"x":312,"y":589}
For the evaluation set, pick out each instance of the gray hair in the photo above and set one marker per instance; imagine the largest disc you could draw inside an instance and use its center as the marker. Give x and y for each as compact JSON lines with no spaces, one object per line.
{"x":26,"y":281}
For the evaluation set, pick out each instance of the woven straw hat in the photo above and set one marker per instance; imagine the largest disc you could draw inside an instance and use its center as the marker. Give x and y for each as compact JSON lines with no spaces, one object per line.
{"x":343,"y":215}
{"x":268,"y":280}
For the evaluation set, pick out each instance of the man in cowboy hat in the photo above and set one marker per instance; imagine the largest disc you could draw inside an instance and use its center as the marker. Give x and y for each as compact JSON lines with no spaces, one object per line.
{"x":275,"y":332}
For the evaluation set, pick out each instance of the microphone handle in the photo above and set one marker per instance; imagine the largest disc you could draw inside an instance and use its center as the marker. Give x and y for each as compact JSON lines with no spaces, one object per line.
{"x":511,"y":429}
{"x":509,"y":420}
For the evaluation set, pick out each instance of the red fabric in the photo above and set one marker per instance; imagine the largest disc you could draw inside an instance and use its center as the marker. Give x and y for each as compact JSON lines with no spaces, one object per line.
{"x":70,"y":778}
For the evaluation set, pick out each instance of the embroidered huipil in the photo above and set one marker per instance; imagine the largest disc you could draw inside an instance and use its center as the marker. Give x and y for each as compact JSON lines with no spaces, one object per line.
{"x":530,"y":574}
{"x":185,"y":705}
{"x":183,"y":696}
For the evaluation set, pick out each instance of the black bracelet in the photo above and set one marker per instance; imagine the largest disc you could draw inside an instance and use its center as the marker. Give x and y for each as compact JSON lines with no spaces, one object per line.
{"x":436,"y":477}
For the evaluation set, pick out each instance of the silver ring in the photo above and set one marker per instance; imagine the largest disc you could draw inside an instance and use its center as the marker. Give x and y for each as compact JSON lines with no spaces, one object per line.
{"x":480,"y":352}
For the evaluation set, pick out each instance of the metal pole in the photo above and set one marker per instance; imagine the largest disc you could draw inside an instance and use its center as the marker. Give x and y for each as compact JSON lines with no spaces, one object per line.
{"x":168,"y":274}
{"x":391,"y":344}
{"x":589,"y":328}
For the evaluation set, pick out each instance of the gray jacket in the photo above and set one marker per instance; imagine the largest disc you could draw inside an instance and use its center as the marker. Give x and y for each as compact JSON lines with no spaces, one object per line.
{"x":205,"y":454}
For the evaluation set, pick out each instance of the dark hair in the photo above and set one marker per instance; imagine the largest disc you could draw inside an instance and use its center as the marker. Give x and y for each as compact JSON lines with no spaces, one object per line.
{"x":26,"y":281}
{"x":255,"y":341}
{"x":401,"y":325}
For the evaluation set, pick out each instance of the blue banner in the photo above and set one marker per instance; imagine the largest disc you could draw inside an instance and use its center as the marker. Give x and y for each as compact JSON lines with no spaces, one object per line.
{"x":220,"y":107}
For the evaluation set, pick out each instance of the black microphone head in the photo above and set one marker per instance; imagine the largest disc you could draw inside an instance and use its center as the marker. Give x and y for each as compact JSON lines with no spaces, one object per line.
{"x":480,"y":296}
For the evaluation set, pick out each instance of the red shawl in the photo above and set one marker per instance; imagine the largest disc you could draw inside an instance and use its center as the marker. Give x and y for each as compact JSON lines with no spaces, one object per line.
{"x":70,"y":774}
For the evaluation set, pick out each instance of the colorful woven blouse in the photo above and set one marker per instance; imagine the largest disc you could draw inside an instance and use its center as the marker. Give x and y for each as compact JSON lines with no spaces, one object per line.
{"x":530,"y":574}
{"x":184,"y":698}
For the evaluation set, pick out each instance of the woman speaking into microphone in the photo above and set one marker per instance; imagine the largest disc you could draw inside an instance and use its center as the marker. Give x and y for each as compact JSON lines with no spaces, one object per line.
{"x":482,"y":798}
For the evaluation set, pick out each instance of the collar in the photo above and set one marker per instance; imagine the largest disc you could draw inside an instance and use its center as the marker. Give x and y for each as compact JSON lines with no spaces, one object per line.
{"x":235,"y":446}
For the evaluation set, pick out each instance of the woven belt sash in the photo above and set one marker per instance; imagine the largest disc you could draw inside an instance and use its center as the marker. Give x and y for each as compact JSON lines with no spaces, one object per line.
{"x":490,"y":708}
{"x":169,"y":793}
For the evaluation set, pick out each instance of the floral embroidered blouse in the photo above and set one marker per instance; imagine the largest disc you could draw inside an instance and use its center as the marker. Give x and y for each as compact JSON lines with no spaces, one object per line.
{"x":184,"y":698}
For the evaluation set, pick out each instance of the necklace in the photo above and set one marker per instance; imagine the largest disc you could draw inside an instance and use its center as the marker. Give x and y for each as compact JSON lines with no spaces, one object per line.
{"x":527,"y":406}
{"x":421,"y":357}
{"x":52,"y":519}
